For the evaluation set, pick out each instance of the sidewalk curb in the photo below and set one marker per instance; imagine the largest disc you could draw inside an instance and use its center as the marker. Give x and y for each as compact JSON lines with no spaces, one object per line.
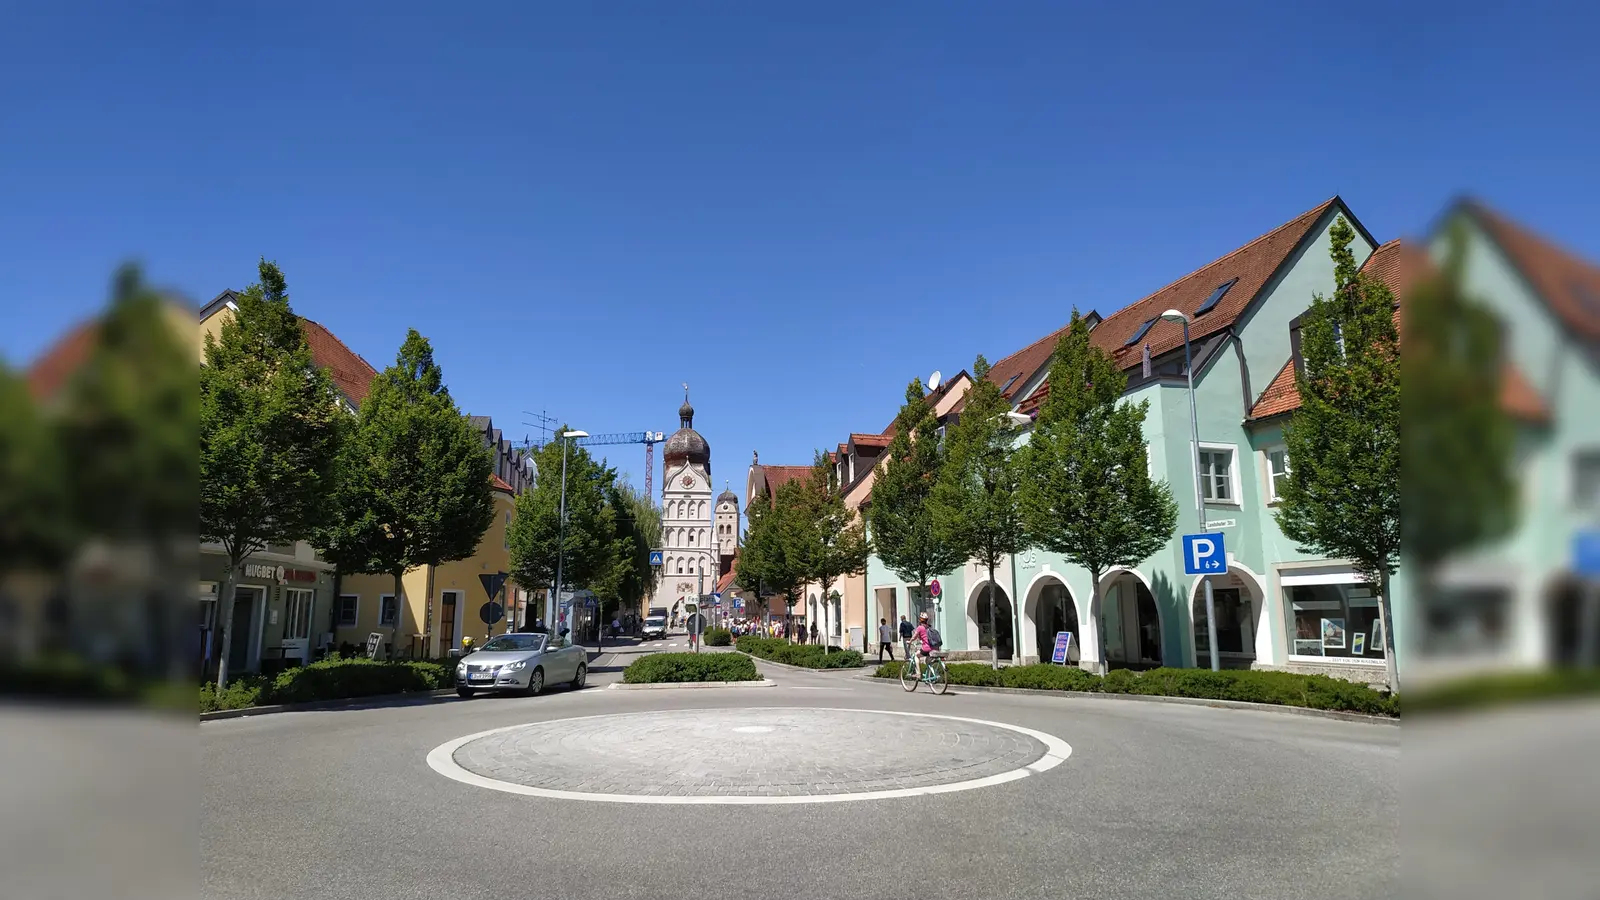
{"x":320,"y":704}
{"x":619,"y":686}
{"x":1338,"y":715}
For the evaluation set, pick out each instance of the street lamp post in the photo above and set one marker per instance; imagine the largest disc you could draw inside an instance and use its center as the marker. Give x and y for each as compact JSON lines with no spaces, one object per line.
{"x":561,"y":527}
{"x":1173,"y":315}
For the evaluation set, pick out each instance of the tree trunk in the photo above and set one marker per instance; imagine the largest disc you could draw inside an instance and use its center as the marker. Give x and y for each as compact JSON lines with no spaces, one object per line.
{"x":225,"y":610}
{"x":1386,"y":617}
{"x":994,"y":636}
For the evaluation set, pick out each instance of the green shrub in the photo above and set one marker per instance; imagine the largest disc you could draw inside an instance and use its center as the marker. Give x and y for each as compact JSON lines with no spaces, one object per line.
{"x":1502,"y":688}
{"x":718,"y":637}
{"x":340,"y":679}
{"x":1119,"y":681}
{"x":1277,"y":688}
{"x":810,"y":656}
{"x":677,"y":668}
{"x":1046,"y":677}
{"x":241,"y":693}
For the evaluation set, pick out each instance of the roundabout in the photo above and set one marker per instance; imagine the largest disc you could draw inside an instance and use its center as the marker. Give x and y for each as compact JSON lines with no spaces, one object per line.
{"x":716,"y":756}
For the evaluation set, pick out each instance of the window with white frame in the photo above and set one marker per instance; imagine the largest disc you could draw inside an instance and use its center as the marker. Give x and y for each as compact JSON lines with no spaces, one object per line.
{"x":296,"y":614}
{"x":1332,"y":615}
{"x":388,"y":611}
{"x":348,"y":611}
{"x":1277,"y":471}
{"x":1586,"y":478}
{"x":1219,"y":479}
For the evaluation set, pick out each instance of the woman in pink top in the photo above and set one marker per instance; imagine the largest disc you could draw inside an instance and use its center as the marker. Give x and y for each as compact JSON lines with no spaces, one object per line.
{"x":924,"y":647}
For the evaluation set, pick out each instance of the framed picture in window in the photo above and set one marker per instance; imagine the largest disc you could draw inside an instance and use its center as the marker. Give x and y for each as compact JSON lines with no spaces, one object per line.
{"x":1312,"y":647}
{"x":1358,"y":644}
{"x":1333,"y":634}
{"x":1376,"y":640}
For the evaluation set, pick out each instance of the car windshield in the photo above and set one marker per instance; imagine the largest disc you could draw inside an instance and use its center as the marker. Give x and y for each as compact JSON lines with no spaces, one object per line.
{"x":656,"y":620}
{"x":512,"y":643}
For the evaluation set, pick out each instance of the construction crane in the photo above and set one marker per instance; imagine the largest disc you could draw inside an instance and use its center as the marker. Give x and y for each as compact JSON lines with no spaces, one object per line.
{"x":648,"y":438}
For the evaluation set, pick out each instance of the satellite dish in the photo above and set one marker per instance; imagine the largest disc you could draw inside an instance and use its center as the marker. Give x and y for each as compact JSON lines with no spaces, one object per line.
{"x":935,"y":380}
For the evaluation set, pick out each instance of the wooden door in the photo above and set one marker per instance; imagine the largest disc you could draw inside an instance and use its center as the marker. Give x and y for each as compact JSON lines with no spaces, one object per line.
{"x":447,"y":622}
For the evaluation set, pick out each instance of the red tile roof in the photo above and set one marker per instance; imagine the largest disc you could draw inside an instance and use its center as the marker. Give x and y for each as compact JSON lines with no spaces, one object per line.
{"x":1567,"y":282}
{"x":50,"y":372}
{"x":1253,"y":265}
{"x":870,"y":440}
{"x":1399,"y":265}
{"x":351,"y":374}
{"x":500,"y":483}
{"x":725,"y":582}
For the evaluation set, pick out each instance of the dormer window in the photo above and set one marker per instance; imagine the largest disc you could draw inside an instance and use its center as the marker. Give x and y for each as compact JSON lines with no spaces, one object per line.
{"x":1139,"y":335}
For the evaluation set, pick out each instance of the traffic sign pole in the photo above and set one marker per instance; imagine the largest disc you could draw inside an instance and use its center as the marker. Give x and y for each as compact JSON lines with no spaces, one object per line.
{"x":1199,"y":501}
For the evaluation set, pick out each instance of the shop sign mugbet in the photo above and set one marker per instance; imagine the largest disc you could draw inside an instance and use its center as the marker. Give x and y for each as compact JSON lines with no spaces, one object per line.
{"x":278,"y":574}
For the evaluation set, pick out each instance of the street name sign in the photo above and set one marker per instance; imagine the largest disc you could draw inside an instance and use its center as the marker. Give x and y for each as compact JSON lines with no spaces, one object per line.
{"x":1203,"y":554}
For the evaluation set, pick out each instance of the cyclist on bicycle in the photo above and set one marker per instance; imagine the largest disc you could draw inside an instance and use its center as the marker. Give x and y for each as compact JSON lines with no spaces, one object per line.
{"x":924,"y":646}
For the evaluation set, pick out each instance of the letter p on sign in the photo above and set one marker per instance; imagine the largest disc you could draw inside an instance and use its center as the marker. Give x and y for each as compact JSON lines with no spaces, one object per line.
{"x":1203,"y":554}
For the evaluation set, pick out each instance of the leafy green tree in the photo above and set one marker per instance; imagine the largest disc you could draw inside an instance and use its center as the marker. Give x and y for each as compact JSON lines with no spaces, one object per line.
{"x":585,"y":551}
{"x":639,"y":525}
{"x":34,"y":528}
{"x":269,"y":435}
{"x":820,"y":534}
{"x":1086,"y":491}
{"x":899,"y":514}
{"x":1456,"y":456}
{"x":415,"y":485}
{"x":975,"y":504}
{"x":127,"y":423}
{"x":763,"y":567}
{"x":1342,"y":495}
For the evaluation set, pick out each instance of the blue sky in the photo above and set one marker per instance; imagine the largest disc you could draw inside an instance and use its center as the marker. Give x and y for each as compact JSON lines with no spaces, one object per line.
{"x":796,"y":208}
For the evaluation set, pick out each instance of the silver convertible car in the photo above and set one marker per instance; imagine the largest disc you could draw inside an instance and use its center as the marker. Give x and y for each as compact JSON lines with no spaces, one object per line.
{"x":522,"y":662}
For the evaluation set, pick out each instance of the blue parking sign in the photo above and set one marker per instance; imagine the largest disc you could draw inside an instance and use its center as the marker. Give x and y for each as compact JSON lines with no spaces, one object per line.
{"x":1586,"y":554}
{"x":1203,"y":554}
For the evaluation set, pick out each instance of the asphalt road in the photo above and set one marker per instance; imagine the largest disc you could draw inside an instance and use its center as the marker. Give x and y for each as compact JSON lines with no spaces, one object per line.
{"x":1156,"y":800}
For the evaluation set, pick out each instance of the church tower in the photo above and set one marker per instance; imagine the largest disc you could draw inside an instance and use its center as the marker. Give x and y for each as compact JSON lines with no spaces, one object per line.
{"x":689,"y":563}
{"x":727,"y":528}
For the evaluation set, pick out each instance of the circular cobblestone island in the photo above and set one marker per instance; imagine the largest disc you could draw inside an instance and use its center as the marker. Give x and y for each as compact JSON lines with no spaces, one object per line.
{"x":726,"y":756}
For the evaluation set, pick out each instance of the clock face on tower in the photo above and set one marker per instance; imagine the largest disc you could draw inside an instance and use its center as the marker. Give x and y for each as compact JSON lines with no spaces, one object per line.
{"x":688,"y":481}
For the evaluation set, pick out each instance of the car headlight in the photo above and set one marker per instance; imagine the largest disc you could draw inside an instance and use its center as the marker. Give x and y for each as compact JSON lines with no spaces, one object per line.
{"x":516,"y":666}
{"x":461,"y":669}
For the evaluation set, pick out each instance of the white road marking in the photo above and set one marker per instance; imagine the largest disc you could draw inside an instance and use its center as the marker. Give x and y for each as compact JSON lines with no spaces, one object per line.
{"x":442,"y":760}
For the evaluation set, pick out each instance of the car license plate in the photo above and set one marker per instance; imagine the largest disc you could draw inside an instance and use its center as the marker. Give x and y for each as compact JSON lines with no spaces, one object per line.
{"x":481,"y":676}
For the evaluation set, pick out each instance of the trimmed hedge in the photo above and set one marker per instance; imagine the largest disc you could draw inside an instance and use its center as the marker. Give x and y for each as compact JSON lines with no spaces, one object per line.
{"x":1276,"y":688}
{"x":1505,"y":688}
{"x":718,"y":637}
{"x":809,"y":656}
{"x":330,"y":679}
{"x":677,"y":668}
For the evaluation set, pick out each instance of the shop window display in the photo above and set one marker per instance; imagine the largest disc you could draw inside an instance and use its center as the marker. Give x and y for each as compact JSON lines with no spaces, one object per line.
{"x":1334,"y":620}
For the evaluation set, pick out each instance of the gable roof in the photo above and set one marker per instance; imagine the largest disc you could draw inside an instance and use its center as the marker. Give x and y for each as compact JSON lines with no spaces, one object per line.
{"x":870,"y":440}
{"x":1569,"y":284}
{"x":50,"y":371}
{"x":499,"y":483}
{"x":351,"y":374}
{"x":1249,"y":269}
{"x":1399,"y":265}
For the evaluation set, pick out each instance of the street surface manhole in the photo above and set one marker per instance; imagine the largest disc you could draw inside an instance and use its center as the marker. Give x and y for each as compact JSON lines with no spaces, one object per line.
{"x":748,"y":756}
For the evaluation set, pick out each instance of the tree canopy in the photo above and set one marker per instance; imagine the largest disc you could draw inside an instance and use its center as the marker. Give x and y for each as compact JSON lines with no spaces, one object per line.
{"x":900,"y":516}
{"x":1086,"y":491}
{"x":586,"y":550}
{"x":821,"y":536}
{"x":1341,"y":498}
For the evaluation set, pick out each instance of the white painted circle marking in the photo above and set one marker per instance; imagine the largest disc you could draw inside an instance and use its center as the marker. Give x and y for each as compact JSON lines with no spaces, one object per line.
{"x":442,"y":760}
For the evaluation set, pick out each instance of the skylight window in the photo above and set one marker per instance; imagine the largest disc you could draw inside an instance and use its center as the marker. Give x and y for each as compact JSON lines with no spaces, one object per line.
{"x":1009,"y":382}
{"x":1139,"y":335}
{"x":1216,"y":296}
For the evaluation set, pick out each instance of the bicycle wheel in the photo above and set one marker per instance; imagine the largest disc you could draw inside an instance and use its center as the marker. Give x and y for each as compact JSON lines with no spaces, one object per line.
{"x":908,"y":676}
{"x":940,"y":680}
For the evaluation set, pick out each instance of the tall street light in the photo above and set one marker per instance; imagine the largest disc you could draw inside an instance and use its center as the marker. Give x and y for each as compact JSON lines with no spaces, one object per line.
{"x":561,"y":528}
{"x":1173,"y":315}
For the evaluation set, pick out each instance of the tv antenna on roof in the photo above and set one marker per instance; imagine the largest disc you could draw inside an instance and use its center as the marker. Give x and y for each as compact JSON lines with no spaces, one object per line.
{"x":935,"y":380}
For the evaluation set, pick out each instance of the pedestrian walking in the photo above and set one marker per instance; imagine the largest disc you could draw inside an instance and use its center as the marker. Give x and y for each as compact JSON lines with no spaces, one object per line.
{"x":885,"y":639}
{"x":906,"y":630}
{"x":813,"y":632}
